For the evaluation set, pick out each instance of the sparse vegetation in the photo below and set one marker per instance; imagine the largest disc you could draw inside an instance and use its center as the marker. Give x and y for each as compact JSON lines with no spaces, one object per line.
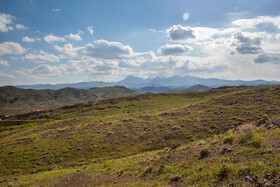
{"x":189,"y":139}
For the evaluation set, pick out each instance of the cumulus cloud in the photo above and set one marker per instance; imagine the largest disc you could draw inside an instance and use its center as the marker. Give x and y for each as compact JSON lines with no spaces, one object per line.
{"x":27,"y":39}
{"x":90,"y":29}
{"x":11,"y":48}
{"x":247,"y":45}
{"x":99,"y":49}
{"x":43,"y":57}
{"x":44,"y":69}
{"x":20,"y":26}
{"x":143,"y":56}
{"x":209,"y":58}
{"x":5,"y":22}
{"x":51,"y":38}
{"x":180,"y":33}
{"x":4,"y":63}
{"x":266,"y":57}
{"x":105,"y":50}
{"x":74,"y":37}
{"x":186,"y":16}
{"x":67,"y":50}
{"x":175,"y":49}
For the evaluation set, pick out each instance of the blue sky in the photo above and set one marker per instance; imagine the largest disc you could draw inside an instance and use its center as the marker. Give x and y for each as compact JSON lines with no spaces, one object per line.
{"x":50,"y":41}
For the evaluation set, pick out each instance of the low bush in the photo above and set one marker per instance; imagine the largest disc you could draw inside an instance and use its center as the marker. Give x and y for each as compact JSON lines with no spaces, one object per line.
{"x":223,"y":172}
{"x":245,"y":134}
{"x":257,"y":141}
{"x":228,"y":139}
{"x":204,"y":153}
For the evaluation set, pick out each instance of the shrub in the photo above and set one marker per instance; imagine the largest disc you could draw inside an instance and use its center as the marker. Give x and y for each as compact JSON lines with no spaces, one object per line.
{"x":204,"y":153}
{"x":223,"y":172}
{"x":228,"y":139}
{"x":257,"y":141}
{"x":245,"y":134}
{"x":249,"y":137}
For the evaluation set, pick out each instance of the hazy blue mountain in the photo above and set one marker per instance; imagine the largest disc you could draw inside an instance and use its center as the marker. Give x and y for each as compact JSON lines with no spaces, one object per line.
{"x":80,"y":85}
{"x":131,"y":80}
{"x":174,"y":82}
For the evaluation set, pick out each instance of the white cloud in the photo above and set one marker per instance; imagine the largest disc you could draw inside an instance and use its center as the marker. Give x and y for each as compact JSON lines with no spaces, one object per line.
{"x":180,"y":33}
{"x":20,"y":26}
{"x":42,"y":69}
{"x":74,"y":37}
{"x":186,"y":16}
{"x":175,"y":49}
{"x":27,"y":39}
{"x":4,"y":63}
{"x":5,"y":21}
{"x":43,"y":57}
{"x":67,"y":50}
{"x":51,"y":38}
{"x":55,"y":9}
{"x":205,"y":33}
{"x":11,"y":48}
{"x":105,"y":50}
{"x":5,"y":75}
{"x":254,"y":22}
{"x":99,"y":49}
{"x":90,"y":29}
{"x":45,"y":69}
{"x":208,"y":52}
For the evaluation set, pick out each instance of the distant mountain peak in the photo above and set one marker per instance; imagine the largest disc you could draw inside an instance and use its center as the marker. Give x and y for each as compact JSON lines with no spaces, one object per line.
{"x":173,"y":82}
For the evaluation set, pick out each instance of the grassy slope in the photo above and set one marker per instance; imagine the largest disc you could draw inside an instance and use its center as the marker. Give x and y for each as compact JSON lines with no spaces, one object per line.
{"x":94,"y":135}
{"x":252,"y":162}
{"x":16,"y":101}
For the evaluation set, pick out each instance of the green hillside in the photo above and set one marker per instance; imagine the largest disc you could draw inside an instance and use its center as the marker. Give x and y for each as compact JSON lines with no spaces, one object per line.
{"x":16,"y":101}
{"x":197,"y":88}
{"x":222,"y":136}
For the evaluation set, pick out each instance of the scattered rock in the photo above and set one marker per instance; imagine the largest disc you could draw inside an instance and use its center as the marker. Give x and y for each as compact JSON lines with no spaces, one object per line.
{"x":226,"y":150}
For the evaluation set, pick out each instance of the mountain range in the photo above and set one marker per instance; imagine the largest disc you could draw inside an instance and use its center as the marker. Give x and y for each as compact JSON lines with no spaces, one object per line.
{"x":157,"y":83}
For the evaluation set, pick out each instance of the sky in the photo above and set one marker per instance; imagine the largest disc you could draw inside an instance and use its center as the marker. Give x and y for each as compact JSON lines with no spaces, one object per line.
{"x":68,"y":41}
